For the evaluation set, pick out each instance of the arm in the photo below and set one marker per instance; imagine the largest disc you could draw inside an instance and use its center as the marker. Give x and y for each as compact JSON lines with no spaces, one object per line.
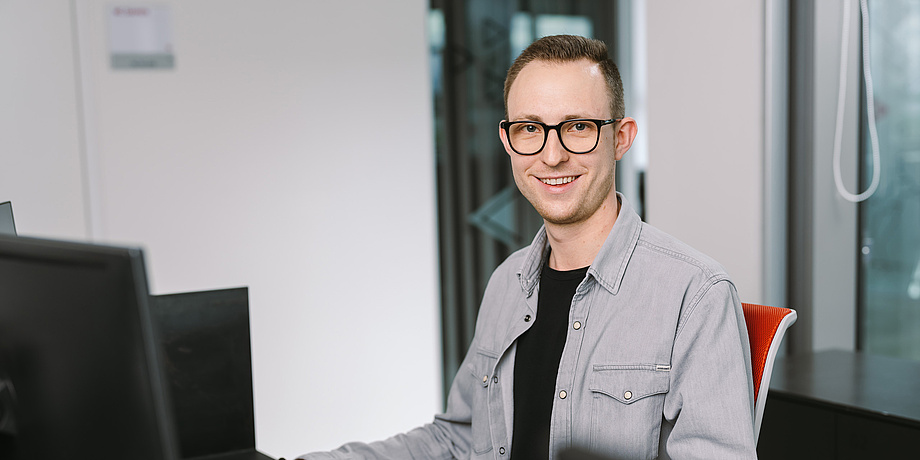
{"x":709,"y":408}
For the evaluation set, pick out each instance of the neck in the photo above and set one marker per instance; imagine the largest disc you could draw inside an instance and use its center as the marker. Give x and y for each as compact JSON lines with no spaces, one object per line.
{"x":576,"y":245}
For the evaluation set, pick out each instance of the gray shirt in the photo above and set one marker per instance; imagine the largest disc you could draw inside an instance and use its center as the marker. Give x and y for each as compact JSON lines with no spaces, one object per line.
{"x":656,"y":361}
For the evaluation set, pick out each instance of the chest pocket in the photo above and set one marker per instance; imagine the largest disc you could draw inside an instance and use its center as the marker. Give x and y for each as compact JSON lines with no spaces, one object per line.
{"x":627,"y":405}
{"x":481,"y":366}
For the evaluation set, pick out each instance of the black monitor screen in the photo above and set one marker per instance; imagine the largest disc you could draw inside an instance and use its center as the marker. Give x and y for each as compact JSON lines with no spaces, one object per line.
{"x":79,"y":368}
{"x":205,"y":338}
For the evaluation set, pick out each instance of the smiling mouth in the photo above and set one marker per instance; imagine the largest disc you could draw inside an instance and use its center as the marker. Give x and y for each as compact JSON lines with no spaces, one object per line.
{"x":559,"y":180}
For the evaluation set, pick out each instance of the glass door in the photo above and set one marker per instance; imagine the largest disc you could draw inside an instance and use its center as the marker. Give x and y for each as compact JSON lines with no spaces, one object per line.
{"x":890,"y":220}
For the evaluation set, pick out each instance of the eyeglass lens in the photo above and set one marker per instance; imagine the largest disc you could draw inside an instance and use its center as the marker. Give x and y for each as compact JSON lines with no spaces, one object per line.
{"x":576,"y":136}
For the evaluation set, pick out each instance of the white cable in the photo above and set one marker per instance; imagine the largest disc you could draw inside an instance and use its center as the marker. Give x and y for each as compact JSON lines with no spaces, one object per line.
{"x":870,"y":106}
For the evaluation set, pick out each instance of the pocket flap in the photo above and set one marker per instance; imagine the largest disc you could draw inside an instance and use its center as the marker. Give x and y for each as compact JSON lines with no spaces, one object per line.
{"x":630,"y":383}
{"x":482,"y":365}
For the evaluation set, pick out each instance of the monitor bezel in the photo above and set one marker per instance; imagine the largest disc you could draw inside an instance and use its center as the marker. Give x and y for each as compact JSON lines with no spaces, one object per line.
{"x":131,"y":259}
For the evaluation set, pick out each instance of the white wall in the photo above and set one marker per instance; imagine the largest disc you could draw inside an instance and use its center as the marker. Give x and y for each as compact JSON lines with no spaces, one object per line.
{"x":705,"y":180}
{"x":40,"y":165}
{"x":290,"y":151}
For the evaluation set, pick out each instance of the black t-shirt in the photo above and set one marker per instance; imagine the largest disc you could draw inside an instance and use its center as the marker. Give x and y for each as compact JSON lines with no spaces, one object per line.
{"x":536,"y":363}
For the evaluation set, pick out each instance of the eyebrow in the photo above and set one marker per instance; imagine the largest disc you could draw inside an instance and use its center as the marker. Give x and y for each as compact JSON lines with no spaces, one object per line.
{"x":531,"y":117}
{"x":528,"y":118}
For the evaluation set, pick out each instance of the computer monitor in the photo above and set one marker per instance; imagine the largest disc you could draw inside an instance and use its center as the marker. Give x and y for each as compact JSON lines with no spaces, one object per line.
{"x":206,"y":343}
{"x":7,"y":226}
{"x":80,"y":371}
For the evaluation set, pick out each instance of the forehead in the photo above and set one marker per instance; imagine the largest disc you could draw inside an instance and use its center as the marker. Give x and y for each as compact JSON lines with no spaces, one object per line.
{"x":553,"y":91}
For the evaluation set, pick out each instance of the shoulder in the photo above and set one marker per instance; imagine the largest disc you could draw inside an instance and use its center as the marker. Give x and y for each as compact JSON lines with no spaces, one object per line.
{"x":709,"y":293}
{"x":686,"y":275}
{"x":673,"y":253}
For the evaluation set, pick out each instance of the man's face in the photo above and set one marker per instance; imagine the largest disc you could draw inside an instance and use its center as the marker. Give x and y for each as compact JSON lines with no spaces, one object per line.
{"x":565,"y":188}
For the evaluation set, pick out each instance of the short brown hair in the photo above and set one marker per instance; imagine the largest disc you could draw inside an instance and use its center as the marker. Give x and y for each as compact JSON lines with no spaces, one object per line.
{"x":569,"y":48}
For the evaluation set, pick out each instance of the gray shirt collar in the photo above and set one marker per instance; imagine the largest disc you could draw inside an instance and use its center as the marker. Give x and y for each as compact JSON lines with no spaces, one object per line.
{"x":609,"y":265}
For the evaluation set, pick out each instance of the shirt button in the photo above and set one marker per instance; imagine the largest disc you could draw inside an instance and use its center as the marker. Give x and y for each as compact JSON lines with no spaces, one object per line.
{"x":577,"y":325}
{"x":562,"y":394}
{"x":485,"y":379}
{"x":526,"y":318}
{"x":628,"y":395}
{"x":501,"y":451}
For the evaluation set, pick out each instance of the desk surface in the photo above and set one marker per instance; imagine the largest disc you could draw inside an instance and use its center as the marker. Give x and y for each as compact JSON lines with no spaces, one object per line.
{"x":873,"y":385}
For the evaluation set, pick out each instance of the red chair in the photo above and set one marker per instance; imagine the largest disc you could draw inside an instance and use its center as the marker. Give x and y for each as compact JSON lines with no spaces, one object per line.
{"x":766,"y":326}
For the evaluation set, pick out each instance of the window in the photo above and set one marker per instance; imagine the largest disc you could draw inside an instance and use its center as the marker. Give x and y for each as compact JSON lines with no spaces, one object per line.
{"x":889,"y":252}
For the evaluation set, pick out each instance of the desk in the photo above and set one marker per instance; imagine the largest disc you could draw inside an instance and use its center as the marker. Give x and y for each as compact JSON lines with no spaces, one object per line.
{"x":841,"y":405}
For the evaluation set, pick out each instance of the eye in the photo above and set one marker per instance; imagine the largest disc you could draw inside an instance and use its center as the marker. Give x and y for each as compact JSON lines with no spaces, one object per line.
{"x":580,"y":126}
{"x":528,"y":128}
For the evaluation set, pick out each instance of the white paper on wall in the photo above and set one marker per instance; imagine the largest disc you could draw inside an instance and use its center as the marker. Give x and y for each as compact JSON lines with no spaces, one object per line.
{"x":140,"y":37}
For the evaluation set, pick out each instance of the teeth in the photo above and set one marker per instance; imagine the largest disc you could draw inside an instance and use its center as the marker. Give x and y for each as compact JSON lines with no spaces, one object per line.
{"x":559,"y":181}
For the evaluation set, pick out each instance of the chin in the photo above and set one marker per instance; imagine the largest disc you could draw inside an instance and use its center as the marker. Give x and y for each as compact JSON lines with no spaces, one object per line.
{"x":559,"y":218}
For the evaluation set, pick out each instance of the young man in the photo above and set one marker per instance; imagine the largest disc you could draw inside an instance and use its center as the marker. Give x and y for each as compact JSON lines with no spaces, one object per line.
{"x":605,"y":333}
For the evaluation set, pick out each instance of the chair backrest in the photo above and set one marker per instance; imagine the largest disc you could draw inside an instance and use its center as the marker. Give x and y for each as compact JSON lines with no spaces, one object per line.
{"x":766,"y":327}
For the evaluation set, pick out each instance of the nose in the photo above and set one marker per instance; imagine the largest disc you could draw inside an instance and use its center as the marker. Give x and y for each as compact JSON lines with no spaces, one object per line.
{"x":553,"y":152}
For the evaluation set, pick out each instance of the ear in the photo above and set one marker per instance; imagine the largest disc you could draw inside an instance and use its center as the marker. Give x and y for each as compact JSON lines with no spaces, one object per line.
{"x":625,"y":135}
{"x":504,"y":137}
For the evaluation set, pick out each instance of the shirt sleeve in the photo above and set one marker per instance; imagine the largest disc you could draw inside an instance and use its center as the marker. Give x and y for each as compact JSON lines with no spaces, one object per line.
{"x":709,"y":408}
{"x":447,"y":437}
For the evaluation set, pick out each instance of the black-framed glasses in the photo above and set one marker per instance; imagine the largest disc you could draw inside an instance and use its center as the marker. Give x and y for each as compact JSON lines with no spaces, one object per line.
{"x":577,"y":136}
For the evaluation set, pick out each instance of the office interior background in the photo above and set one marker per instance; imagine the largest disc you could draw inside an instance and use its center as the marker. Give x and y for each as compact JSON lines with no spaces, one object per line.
{"x":344,"y":163}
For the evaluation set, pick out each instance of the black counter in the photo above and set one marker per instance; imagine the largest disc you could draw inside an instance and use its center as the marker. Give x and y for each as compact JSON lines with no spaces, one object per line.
{"x":842,"y":405}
